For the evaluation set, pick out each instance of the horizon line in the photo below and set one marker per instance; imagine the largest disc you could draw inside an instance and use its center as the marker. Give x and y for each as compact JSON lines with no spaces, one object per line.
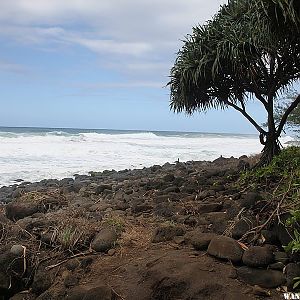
{"x":133,"y":130}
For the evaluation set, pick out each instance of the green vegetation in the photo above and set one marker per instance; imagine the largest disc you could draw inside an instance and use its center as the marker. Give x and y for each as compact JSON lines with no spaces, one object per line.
{"x":294,"y":219}
{"x":293,"y":120}
{"x":283,"y":172}
{"x":297,"y":282}
{"x":294,"y":245}
{"x":249,"y":50}
{"x":291,"y":224}
{"x":116,"y":223}
{"x":68,"y":237}
{"x":281,"y":179}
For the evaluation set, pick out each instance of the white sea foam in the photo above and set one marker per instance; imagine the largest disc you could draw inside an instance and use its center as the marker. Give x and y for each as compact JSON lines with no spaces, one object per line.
{"x":57,"y":154}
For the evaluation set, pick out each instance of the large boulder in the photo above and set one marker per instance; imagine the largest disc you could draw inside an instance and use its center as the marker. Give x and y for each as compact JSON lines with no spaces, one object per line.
{"x":258,"y":257}
{"x":140,"y":208}
{"x":269,"y":236}
{"x":12,"y":263}
{"x":166,"y":233}
{"x":225,"y":248}
{"x":16,"y":211}
{"x":209,"y":207}
{"x":11,"y":272}
{"x":199,"y":240}
{"x":292,"y":270}
{"x":261,"y":277}
{"x":240,"y":228}
{"x":104,"y":240}
{"x":249,"y":199}
{"x":4,"y":281}
{"x":41,"y":282}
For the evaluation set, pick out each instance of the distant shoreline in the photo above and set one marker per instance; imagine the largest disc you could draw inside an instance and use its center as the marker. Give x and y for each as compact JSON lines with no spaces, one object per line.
{"x":34,"y":154}
{"x":47,"y":129}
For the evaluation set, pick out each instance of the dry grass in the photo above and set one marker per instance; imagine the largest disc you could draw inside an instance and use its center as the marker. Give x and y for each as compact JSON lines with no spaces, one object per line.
{"x":48,"y":199}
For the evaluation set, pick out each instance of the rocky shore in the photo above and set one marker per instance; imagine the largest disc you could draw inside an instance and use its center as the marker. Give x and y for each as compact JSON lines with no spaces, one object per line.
{"x":177,"y":231}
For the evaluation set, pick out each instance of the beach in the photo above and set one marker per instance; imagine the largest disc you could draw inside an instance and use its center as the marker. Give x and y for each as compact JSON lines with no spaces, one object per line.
{"x":168,"y":231}
{"x":33,"y":154}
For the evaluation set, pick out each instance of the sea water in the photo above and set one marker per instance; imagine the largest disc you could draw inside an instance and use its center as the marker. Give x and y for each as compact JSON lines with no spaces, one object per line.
{"x":33,"y":154}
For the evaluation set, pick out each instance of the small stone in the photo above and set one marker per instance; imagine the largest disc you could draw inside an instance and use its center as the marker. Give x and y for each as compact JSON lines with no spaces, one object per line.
{"x":277,"y":266}
{"x":191,"y":221}
{"x":172,"y":189}
{"x":243,"y":165}
{"x":65,"y":274}
{"x":104,"y":240}
{"x":169,"y":178}
{"x":111,"y":252}
{"x":72,"y":264}
{"x":140,"y":208}
{"x":258,"y":291}
{"x":206,"y":193}
{"x":232,"y":274}
{"x":281,"y":257}
{"x":166,"y":233}
{"x":86,"y":261}
{"x":71,"y":280}
{"x":100,"y":292}
{"x":17,"y":250}
{"x":22,"y":296}
{"x":209,"y":207}
{"x":178,"y":240}
{"x":101,"y":188}
{"x":47,"y":237}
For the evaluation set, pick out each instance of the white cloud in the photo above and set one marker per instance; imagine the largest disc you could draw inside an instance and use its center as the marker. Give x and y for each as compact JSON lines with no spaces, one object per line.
{"x":138,"y":36}
{"x":111,"y":46}
{"x":12,"y":67}
{"x":131,"y":84}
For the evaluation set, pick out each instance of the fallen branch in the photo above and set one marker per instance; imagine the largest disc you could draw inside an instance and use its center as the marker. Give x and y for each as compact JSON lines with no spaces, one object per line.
{"x":89,"y":252}
{"x":118,"y":295}
{"x":258,"y":229}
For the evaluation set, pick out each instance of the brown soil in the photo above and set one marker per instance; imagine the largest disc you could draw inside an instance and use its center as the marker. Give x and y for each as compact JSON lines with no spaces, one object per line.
{"x":142,"y":271}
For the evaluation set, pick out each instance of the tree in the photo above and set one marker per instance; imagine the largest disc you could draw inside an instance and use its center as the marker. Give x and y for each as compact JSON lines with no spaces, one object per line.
{"x":293,"y":120}
{"x":250,"y":50}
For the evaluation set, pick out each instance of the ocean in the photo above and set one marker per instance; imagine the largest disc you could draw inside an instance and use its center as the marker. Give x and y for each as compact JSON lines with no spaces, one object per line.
{"x":33,"y":154}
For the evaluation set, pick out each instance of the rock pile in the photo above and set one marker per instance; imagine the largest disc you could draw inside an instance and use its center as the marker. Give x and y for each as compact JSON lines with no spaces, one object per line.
{"x":58,"y":237}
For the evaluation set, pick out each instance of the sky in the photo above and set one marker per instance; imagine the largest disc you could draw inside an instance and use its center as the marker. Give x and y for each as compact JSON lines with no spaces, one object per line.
{"x":100,"y":64}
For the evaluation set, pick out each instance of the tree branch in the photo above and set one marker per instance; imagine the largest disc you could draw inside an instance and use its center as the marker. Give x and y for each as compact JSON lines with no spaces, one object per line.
{"x":247,"y":116}
{"x":261,"y":99}
{"x":286,"y":114}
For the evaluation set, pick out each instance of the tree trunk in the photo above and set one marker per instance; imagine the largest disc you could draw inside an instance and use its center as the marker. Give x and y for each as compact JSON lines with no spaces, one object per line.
{"x":271,"y":143}
{"x":271,"y":148}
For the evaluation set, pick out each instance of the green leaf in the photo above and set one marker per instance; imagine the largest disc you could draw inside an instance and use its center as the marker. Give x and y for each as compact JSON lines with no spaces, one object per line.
{"x":296,"y":284}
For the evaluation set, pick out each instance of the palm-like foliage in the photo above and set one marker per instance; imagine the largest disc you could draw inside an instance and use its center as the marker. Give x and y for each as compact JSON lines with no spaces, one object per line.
{"x":293,"y":120}
{"x":250,"y":49}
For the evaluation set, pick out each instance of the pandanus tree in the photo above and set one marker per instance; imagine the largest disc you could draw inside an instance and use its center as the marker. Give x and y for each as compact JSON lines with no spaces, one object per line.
{"x":293,"y":120}
{"x":250,"y":50}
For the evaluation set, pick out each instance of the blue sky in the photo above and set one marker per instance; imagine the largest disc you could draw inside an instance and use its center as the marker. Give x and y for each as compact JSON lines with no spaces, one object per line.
{"x":100,"y":64}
